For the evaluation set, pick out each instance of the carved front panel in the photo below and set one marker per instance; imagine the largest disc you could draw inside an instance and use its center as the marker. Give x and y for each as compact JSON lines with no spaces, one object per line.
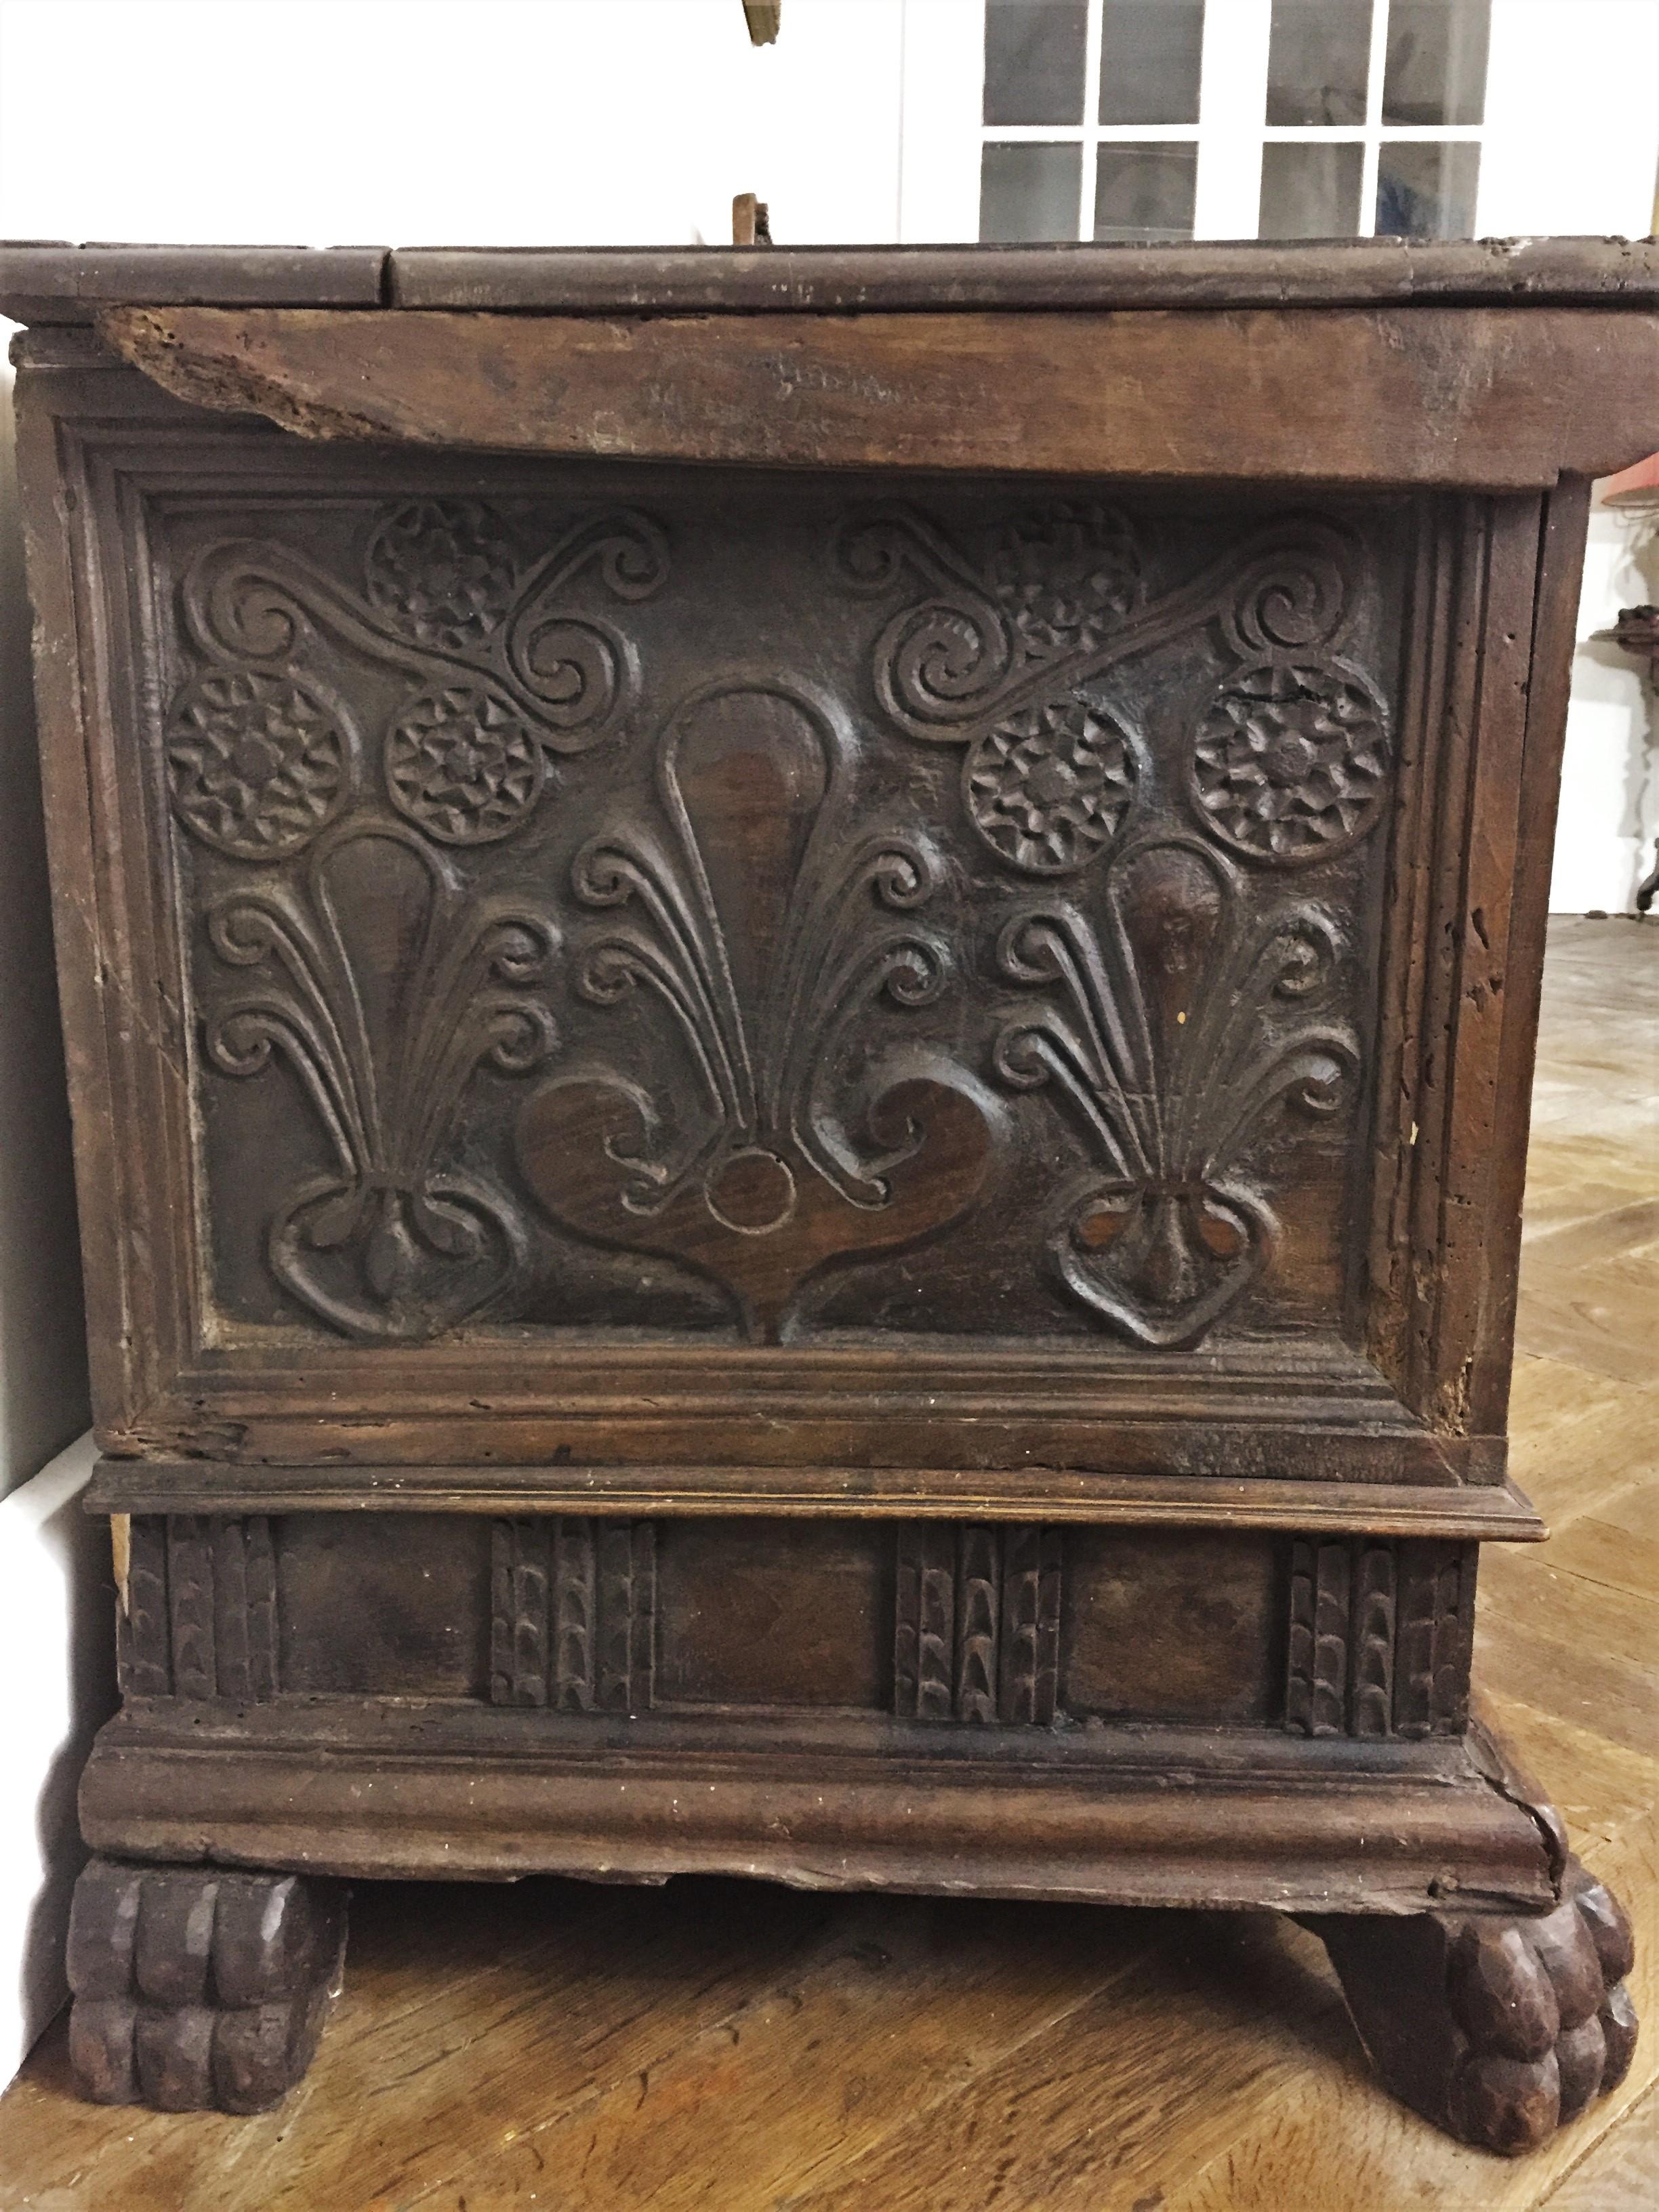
{"x":773,"y":908}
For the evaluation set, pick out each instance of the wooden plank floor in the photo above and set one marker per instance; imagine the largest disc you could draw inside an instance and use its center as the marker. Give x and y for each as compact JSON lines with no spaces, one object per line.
{"x":744,"y":2048}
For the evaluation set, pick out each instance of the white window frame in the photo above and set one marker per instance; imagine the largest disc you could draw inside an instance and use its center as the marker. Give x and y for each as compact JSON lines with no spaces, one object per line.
{"x":944,"y":132}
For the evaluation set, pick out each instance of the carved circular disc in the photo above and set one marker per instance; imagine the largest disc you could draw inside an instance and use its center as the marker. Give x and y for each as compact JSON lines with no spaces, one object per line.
{"x":1290,"y":762}
{"x":753,"y":1191}
{"x":256,"y":761}
{"x":1049,"y":788}
{"x":442,"y":569}
{"x":461,"y":764}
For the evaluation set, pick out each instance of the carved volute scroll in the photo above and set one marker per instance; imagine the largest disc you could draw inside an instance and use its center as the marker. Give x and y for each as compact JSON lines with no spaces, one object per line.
{"x":499,"y":674}
{"x":1174,"y":1031}
{"x":765,"y":923}
{"x":1289,"y":760}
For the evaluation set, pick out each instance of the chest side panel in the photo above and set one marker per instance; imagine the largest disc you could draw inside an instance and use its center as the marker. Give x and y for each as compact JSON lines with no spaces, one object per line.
{"x":773,"y":909}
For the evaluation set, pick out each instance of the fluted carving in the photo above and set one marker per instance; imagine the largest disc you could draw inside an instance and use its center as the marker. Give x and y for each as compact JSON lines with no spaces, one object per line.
{"x":976,"y":1622}
{"x":1380,"y":1636}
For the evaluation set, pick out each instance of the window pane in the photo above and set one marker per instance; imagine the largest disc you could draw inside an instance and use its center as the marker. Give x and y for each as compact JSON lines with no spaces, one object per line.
{"x":1317,"y":62}
{"x":1310,"y":191}
{"x":1028,"y":192}
{"x":1427,"y":189}
{"x":1143,"y":194}
{"x":1033,"y":61}
{"x":1149,"y":57}
{"x":1436,"y":68}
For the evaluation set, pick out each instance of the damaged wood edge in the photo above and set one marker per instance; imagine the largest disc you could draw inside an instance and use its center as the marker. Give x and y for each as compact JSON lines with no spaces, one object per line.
{"x":148,"y":339}
{"x":120,"y":1546}
{"x":1504,"y":1774}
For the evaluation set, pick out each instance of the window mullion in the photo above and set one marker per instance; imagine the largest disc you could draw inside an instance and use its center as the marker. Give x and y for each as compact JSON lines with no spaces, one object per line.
{"x":1232,"y":110}
{"x":1091,"y":38}
{"x":1376,"y":69}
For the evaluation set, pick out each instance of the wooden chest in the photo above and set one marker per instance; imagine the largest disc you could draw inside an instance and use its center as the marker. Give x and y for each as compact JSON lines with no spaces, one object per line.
{"x":801,"y":990}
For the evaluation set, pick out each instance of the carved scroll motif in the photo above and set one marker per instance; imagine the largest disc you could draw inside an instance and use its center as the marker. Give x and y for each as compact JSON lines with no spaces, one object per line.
{"x":765,"y":925}
{"x":573,"y":1613}
{"x":1380,"y":1637}
{"x":200,"y":1613}
{"x":500,"y":672}
{"x":1289,"y":760}
{"x":976,"y":1623}
{"x":365,"y":957}
{"x":1175,"y":1031}
{"x":386,"y":1243}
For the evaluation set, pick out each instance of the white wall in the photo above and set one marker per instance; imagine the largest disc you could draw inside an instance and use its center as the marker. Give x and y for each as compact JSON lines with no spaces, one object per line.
{"x":57,"y":1685}
{"x":43,"y":1382}
{"x":445,"y":122}
{"x":1572,"y":145}
{"x":55,"y":1588}
{"x":1609,"y":818}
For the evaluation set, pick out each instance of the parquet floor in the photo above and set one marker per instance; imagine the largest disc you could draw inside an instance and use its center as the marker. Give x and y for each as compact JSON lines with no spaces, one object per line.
{"x":741,"y":2049}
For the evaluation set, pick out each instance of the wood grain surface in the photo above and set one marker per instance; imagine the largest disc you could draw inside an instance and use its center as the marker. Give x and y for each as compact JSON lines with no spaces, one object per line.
{"x":1501,"y":399}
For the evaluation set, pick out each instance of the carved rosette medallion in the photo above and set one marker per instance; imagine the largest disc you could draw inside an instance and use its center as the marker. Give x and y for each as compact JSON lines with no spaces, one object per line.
{"x":765,"y":925}
{"x":1050,"y":786}
{"x":442,"y":570}
{"x":366,"y":959}
{"x":1175,"y":1031}
{"x":501,"y":673}
{"x":462,"y":765}
{"x":1291,"y":761}
{"x":257,"y":762}
{"x":989,"y":660}
{"x":384,"y":1244}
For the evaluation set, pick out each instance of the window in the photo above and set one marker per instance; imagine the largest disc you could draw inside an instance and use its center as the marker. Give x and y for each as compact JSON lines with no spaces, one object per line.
{"x":1092,"y":113}
{"x":1160,"y":119}
{"x":1374,"y":111}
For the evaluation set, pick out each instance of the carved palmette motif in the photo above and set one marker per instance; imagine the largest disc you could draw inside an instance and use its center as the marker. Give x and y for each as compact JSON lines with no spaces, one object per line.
{"x":499,"y":671}
{"x":385,"y":983}
{"x":763,"y":922}
{"x":1175,"y":1029}
{"x":976,"y":1622}
{"x":1380,"y":1637}
{"x":573,"y":1613}
{"x":1289,"y":760}
{"x":198,"y":1612}
{"x":361,"y":952}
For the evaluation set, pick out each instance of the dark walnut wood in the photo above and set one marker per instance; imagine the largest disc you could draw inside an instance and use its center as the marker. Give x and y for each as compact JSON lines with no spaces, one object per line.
{"x":1423,"y":394}
{"x":195,"y":1988}
{"x":813,"y":1170}
{"x":1498,"y":2030}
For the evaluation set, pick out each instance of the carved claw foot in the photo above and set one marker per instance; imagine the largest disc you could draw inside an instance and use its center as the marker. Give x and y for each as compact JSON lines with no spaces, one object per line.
{"x":1497,"y":2030}
{"x":196,"y":1988}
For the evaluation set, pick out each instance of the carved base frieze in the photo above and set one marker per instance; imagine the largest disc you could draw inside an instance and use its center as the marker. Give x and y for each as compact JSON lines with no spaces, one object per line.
{"x":198,"y":1612}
